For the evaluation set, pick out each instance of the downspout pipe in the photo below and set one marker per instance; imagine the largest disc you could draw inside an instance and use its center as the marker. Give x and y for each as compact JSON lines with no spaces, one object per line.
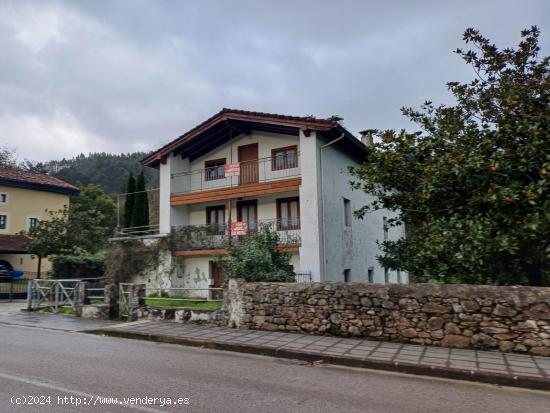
{"x":332,"y":142}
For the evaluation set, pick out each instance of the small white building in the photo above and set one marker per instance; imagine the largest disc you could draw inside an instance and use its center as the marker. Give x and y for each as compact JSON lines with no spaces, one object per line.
{"x":240,"y":169}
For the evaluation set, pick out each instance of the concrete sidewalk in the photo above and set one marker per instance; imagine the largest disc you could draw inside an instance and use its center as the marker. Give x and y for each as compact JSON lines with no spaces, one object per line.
{"x":484,"y":366}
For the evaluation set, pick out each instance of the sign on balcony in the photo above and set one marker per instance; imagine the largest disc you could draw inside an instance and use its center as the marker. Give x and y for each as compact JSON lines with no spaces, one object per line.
{"x":238,"y":228}
{"x":232,"y":169}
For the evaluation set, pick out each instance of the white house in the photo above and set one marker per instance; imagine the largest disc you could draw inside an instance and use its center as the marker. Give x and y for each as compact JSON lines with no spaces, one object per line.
{"x":240,"y":169}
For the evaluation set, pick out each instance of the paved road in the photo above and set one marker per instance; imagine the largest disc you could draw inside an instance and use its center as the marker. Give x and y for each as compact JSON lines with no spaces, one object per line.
{"x":40,"y":361}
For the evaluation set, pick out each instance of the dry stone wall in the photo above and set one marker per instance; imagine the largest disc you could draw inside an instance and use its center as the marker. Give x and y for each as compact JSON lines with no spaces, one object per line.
{"x":509,"y":319}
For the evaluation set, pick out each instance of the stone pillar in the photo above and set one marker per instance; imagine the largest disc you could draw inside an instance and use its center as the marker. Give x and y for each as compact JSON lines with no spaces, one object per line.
{"x":136,"y":300}
{"x":80,"y":298}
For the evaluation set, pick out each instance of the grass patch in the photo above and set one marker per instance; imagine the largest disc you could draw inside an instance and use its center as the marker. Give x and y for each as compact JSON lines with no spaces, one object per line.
{"x":166,"y":302}
{"x":60,"y":310}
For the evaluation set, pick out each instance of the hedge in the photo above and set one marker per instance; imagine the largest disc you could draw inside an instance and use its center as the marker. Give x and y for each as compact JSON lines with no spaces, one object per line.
{"x":78,"y":266}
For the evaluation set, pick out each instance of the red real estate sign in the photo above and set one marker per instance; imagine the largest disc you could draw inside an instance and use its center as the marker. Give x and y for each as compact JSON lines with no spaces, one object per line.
{"x":232,"y":169}
{"x":238,"y":228}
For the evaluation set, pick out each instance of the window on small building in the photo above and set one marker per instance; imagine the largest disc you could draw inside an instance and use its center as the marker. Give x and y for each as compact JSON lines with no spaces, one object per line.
{"x":385,"y":226}
{"x":347,"y":275}
{"x":399,"y":279}
{"x":3,"y":221}
{"x":347,"y":212}
{"x":215,"y":218}
{"x":288,"y":213}
{"x":214,"y":169}
{"x":371,"y":274}
{"x":3,"y":198}
{"x":32,"y":222}
{"x":284,"y":158}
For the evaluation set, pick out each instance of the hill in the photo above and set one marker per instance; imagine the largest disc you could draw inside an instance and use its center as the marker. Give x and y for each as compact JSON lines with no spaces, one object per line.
{"x":109,"y":171}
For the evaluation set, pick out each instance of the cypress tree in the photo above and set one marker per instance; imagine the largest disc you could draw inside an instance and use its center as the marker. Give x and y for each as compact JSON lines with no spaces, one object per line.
{"x":130,"y":201}
{"x":140,"y":216}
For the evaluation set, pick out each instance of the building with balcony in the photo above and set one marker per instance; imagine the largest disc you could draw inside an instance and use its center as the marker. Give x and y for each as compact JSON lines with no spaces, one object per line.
{"x":240,"y":170}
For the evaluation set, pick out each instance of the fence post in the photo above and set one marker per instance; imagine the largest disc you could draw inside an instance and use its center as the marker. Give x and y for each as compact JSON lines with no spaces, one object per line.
{"x":56,"y":296}
{"x":110,"y":297}
{"x":29,"y":295}
{"x":10,"y":295}
{"x":136,"y":300}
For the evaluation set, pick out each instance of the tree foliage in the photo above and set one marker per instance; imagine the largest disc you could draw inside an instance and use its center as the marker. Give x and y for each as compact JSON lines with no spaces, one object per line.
{"x":472,"y":187}
{"x":258,"y":259}
{"x":81,"y":229}
{"x":129,"y":201}
{"x":140,"y":215}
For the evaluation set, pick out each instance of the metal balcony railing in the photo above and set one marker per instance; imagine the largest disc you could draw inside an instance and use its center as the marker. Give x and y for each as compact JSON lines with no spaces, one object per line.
{"x":216,"y":236}
{"x":261,"y":170}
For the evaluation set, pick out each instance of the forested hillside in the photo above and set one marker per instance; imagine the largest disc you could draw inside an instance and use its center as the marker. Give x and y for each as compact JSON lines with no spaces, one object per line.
{"x":109,"y":171}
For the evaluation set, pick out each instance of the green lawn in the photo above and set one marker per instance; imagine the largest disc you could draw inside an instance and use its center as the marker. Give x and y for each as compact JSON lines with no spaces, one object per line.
{"x":166,"y":302}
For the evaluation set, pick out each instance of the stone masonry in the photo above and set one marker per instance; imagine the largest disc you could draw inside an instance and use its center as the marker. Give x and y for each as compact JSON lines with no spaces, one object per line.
{"x":509,"y":319}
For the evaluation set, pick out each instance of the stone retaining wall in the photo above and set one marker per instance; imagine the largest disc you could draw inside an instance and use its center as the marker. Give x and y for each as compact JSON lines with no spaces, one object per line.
{"x":183,"y":315}
{"x":463,"y":316}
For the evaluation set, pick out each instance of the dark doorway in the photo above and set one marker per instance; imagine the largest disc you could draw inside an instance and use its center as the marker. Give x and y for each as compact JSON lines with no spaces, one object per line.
{"x":218,"y":279}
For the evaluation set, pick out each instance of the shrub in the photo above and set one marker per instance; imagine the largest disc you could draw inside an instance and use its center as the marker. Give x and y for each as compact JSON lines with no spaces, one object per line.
{"x":78,"y":266}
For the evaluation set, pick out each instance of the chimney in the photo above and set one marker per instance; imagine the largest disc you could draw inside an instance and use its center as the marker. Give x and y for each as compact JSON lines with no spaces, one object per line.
{"x":367,"y":137}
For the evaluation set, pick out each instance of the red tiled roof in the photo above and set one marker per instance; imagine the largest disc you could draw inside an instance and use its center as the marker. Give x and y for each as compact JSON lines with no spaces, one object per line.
{"x":13,"y":243}
{"x":34,"y":180}
{"x":298,"y":121}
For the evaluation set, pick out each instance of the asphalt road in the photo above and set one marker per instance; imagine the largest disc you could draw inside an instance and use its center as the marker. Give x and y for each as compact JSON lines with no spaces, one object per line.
{"x":39,"y":361}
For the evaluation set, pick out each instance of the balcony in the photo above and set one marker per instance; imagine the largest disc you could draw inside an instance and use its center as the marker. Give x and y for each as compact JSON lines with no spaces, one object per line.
{"x":217,"y":237}
{"x":250,"y":173}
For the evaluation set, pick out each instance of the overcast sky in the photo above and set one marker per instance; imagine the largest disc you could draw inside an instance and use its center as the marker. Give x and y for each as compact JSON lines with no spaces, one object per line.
{"x":120,"y":76}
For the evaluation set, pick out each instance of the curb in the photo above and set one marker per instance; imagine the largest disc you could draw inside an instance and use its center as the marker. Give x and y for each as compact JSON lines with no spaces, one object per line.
{"x":422,"y":370}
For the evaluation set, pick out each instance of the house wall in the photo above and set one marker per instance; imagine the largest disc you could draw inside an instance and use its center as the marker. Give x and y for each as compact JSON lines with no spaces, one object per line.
{"x":23,"y":204}
{"x":350,"y":247}
{"x":26,"y":262}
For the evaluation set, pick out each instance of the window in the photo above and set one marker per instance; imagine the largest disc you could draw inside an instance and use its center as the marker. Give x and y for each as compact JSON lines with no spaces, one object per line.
{"x":288,"y":213}
{"x":399,"y":279}
{"x":284,"y":158}
{"x":32,"y":222}
{"x":371,"y":274}
{"x":3,"y":198}
{"x":386,"y":275}
{"x":3,"y":221}
{"x":347,"y":212}
{"x":385,"y":226}
{"x":347,"y":275}
{"x":214,"y":169}
{"x":215,"y":218}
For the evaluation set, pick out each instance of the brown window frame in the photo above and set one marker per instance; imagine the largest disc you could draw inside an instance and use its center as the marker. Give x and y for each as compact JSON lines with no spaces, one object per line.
{"x":279,"y":201}
{"x":220,"y":230}
{"x":212,"y":163}
{"x":286,"y":165}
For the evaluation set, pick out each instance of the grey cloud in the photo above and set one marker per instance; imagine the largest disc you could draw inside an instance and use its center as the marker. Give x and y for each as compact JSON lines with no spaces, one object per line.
{"x":129,"y":75}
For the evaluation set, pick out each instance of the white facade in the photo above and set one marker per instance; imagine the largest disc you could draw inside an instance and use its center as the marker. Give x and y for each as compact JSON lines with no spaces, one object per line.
{"x":334,"y":245}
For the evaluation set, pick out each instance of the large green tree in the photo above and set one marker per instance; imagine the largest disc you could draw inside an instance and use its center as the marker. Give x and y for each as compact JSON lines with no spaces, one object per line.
{"x":473,"y":186}
{"x":81,"y":229}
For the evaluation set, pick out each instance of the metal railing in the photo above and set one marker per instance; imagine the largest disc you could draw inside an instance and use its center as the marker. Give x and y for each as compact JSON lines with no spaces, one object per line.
{"x":137,"y":231}
{"x":303,"y":277}
{"x":12,"y":288}
{"x":217,"y":236}
{"x":261,"y":170}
